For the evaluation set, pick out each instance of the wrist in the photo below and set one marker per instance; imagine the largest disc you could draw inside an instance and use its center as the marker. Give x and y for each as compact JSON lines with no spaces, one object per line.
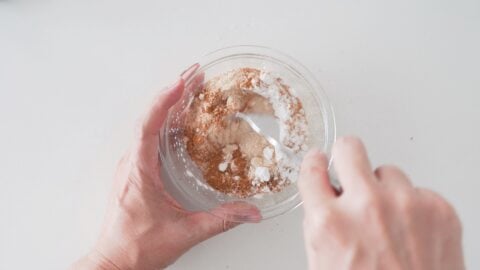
{"x":94,"y":261}
{"x":115,"y":255}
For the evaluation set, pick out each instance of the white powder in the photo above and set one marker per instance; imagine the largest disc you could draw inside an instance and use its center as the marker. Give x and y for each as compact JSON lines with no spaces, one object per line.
{"x":265,"y":189}
{"x":262,"y":174}
{"x":226,"y":82}
{"x":223,"y":166}
{"x":293,"y":134}
{"x":268,"y":153}
{"x":272,"y":93}
{"x":227,"y":156}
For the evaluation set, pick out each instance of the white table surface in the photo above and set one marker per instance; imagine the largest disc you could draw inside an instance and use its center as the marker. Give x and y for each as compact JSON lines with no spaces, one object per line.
{"x":75,"y":76}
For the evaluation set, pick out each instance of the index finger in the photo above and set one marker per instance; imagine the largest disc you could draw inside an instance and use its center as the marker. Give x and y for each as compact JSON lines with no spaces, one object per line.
{"x":351,"y":164}
{"x":314,"y":184}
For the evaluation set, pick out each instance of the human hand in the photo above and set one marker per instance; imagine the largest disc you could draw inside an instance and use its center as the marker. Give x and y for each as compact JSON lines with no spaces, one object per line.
{"x":380,"y":221}
{"x":144,"y":227}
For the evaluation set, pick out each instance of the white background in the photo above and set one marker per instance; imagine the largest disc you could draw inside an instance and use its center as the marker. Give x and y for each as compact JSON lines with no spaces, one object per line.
{"x":75,"y":76}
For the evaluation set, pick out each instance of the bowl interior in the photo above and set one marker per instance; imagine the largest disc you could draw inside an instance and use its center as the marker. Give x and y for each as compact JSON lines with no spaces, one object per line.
{"x":185,"y":181}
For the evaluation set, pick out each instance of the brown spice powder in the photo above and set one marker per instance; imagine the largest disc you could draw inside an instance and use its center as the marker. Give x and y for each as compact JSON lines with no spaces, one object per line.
{"x":234,"y":181}
{"x":210,"y":109}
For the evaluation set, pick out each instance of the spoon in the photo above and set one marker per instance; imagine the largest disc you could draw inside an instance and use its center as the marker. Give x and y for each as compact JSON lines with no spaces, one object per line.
{"x":268,"y":127}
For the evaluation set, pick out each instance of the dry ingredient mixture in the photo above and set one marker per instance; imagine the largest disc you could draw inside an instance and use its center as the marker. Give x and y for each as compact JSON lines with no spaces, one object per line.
{"x":232,"y":157}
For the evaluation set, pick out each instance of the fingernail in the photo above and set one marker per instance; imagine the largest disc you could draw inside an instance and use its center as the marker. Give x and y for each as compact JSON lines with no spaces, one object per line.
{"x":189,"y":71}
{"x":247,"y":219}
{"x":253,"y":218}
{"x":251,"y":215}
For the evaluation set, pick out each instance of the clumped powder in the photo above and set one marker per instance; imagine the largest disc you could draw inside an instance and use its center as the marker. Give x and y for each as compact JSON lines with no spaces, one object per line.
{"x":232,"y":157}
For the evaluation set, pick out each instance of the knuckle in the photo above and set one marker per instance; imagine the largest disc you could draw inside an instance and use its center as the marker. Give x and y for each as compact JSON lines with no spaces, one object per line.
{"x":405,"y":202}
{"x":443,"y":211}
{"x":375,"y":214}
{"x":371,"y":207}
{"x":348,"y":141}
{"x":392,"y":172}
{"x":448,"y":216}
{"x":388,"y":169}
{"x":328,"y":216}
{"x":322,"y":220}
{"x":371,"y":199}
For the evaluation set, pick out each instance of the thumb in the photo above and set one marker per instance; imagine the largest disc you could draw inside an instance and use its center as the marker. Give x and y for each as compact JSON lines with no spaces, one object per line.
{"x":222,"y":219}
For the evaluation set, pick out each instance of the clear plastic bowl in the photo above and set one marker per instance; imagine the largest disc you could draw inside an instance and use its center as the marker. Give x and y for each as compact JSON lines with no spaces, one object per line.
{"x":184,"y":181}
